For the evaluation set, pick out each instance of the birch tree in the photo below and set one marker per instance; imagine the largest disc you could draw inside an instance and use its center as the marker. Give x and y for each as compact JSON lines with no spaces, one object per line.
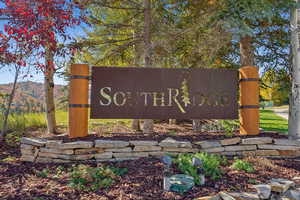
{"x":294,"y":108}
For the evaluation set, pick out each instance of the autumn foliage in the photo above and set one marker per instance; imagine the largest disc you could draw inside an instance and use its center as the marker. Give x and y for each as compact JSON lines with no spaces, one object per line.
{"x":35,"y":26}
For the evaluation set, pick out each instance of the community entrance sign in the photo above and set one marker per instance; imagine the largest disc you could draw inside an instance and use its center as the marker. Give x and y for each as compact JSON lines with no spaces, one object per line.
{"x":159,"y":93}
{"x":156,"y":93}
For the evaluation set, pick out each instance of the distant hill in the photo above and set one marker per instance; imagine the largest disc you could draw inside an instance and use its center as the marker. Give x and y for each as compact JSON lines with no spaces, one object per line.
{"x":30,"y":95}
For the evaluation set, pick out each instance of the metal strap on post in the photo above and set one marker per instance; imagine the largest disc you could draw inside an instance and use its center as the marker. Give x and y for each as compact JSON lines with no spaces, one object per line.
{"x":249,"y":106}
{"x":249,"y":79}
{"x":79,"y":105}
{"x":80,"y":77}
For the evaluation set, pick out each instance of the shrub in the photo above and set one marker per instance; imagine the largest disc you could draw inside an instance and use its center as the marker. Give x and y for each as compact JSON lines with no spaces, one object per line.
{"x":242,"y":165}
{"x":211,"y":165}
{"x":87,"y":178}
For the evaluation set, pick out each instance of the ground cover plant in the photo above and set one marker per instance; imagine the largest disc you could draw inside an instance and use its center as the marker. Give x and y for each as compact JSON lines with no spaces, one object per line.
{"x":211,"y":165}
{"x":86,"y":178}
{"x":242,"y":165}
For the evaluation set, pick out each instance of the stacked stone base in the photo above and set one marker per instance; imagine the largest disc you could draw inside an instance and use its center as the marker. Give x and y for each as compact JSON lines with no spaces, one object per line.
{"x":56,"y":151}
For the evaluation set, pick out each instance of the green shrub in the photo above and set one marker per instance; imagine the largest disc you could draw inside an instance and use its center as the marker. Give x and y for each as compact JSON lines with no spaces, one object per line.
{"x":242,"y":165}
{"x":43,"y":174}
{"x":211,"y":165}
{"x":85,"y":178}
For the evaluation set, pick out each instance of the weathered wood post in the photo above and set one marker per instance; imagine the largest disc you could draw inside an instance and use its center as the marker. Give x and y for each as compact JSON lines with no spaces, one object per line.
{"x":78,"y":102}
{"x":249,"y":100}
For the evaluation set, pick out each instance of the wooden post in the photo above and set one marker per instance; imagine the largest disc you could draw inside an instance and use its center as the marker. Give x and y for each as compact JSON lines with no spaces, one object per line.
{"x":249,"y":100}
{"x":78,"y":102}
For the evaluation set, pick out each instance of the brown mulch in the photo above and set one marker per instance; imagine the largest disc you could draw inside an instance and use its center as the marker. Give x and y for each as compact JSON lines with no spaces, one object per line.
{"x":18,"y":180}
{"x":181,"y":132}
{"x":190,"y":136}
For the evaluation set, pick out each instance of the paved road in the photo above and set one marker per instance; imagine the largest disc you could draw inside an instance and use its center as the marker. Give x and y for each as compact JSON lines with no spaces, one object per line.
{"x":282,"y":112}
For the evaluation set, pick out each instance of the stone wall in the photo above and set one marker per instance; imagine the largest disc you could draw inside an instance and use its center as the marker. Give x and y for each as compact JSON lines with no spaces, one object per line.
{"x":42,"y":150}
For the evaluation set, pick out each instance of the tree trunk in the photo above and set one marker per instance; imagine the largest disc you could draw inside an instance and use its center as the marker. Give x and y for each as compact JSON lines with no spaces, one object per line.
{"x":49,"y":93}
{"x":197,"y":126}
{"x":10,"y":100}
{"x":294,"y":108}
{"x":246,"y":51}
{"x":148,"y":123}
{"x":135,"y":124}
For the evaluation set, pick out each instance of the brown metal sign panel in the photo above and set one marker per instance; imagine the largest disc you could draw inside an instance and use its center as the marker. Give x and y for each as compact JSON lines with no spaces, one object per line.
{"x":161,"y":93}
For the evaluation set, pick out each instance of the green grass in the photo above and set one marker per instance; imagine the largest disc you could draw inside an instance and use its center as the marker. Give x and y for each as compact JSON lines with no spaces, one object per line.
{"x":269,"y":121}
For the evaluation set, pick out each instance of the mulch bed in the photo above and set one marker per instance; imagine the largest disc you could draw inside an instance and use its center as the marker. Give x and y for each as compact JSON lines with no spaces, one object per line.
{"x":189,"y":136}
{"x":181,"y":132}
{"x":18,"y":180}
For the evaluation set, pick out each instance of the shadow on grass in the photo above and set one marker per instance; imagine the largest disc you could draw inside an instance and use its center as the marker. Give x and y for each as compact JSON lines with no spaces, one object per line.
{"x":269,"y":121}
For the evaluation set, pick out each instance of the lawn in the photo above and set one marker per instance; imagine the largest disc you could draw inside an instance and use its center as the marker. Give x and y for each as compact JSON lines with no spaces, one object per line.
{"x":269,"y":121}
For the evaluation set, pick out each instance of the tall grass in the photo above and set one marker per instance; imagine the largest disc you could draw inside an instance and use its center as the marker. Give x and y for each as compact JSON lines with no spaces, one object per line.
{"x":21,"y":122}
{"x":18,"y":122}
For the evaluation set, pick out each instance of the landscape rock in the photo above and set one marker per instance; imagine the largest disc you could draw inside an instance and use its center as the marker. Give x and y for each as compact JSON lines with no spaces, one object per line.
{"x":257,"y":140}
{"x":281,"y":185}
{"x":289,"y":153}
{"x":27,"y":158}
{"x":156,"y":153}
{"x":182,"y":144}
{"x":245,"y":196}
{"x":123,"y":149}
{"x":83,"y":157}
{"x":267,"y":153}
{"x":26,"y":146}
{"x":76,"y":145}
{"x":169,"y":142}
{"x":240,"y":148}
{"x":57,"y":151}
{"x":110,"y":143}
{"x":286,"y":142}
{"x":60,"y":161}
{"x":143,"y":143}
{"x":104,"y":155}
{"x":147,"y":148}
{"x":293,"y":194}
{"x":215,"y":197}
{"x":226,"y":196}
{"x":33,"y":141}
{"x":277,"y":147}
{"x":54,"y":155}
{"x":27,"y":152}
{"x":105,"y":160}
{"x":230,"y":141}
{"x":88,"y":151}
{"x":181,"y":150}
{"x":208,"y":144}
{"x":214,"y":150}
{"x":53,"y":143}
{"x":263,"y":191}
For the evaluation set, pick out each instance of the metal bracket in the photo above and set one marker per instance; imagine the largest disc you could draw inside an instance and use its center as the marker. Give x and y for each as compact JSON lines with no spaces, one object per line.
{"x":79,"y":105}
